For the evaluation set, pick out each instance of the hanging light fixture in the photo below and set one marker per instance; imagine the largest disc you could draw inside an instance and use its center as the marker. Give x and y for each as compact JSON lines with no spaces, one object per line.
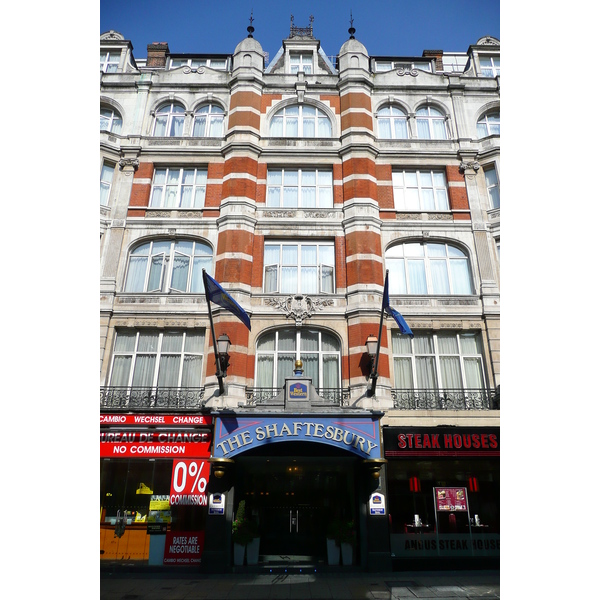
{"x":473,"y":484}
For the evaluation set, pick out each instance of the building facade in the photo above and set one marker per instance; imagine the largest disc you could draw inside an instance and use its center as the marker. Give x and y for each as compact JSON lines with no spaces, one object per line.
{"x":297,"y":183}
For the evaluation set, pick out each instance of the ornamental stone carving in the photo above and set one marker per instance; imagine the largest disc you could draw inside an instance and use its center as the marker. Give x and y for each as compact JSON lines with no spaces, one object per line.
{"x":280,"y":213}
{"x":134,"y":163}
{"x":402,"y":71}
{"x":198,"y":71}
{"x":465,"y":166}
{"x":299,"y":307}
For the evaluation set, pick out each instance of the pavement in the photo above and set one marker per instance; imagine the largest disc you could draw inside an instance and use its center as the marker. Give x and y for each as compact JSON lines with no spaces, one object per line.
{"x":353,"y":585}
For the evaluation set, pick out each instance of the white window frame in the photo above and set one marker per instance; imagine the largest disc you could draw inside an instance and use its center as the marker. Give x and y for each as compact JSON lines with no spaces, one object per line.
{"x":493,"y":187}
{"x":405,"y":341}
{"x":214,"y":116}
{"x":395,"y":114}
{"x":488,"y":122}
{"x":288,"y":117}
{"x":173,"y":111}
{"x":323,"y":191}
{"x":438,"y":189}
{"x":162,"y":258}
{"x":387,"y":65}
{"x":305,"y":59}
{"x":433,"y":114}
{"x":112,"y":119}
{"x":492,"y":69}
{"x":322,"y":267}
{"x":108,"y":64}
{"x":106,"y":182}
{"x":159,"y":193}
{"x":298,"y":351}
{"x":194,"y":63}
{"x":158,"y":353}
{"x":399,"y":259}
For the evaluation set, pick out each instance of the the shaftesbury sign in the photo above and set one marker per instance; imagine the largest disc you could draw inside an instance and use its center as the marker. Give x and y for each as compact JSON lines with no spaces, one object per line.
{"x":236,"y":435}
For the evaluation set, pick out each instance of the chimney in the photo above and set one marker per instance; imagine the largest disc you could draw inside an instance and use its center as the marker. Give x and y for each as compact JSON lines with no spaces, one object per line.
{"x":157,"y":54}
{"x":437,"y":54}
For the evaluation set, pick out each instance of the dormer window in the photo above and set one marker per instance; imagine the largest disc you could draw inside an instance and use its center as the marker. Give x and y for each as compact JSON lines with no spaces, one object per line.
{"x":490,"y":67}
{"x":109,"y":61}
{"x":388,"y":65}
{"x":194,"y":63}
{"x":301,"y":61}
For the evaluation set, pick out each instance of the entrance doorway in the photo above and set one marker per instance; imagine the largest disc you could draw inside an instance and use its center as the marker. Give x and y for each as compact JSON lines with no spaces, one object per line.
{"x":293,"y":499}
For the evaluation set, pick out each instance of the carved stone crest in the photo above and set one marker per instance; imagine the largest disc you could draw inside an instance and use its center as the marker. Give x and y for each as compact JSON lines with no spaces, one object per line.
{"x":403,"y":71}
{"x":299,"y":307}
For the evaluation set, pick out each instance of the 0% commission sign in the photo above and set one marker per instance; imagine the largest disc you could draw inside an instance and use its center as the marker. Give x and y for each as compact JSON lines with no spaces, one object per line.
{"x":188,"y":483}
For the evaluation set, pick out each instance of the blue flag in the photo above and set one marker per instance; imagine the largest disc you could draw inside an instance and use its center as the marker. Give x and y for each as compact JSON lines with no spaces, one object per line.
{"x":402,"y":324}
{"x":215,"y":293}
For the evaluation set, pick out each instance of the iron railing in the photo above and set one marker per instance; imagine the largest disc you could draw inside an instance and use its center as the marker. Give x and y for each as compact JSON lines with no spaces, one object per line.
{"x":328,"y":396}
{"x":151,"y":398}
{"x":446,"y":399}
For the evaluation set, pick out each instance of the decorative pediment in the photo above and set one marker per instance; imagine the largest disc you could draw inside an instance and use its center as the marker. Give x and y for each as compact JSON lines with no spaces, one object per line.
{"x":299,"y":307}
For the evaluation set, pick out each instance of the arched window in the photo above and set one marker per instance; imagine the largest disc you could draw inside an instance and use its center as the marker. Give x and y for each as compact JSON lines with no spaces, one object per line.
{"x":431,"y":124}
{"x":431,"y":268}
{"x":169,"y":121}
{"x":392,"y":123}
{"x":277,"y":351}
{"x":110,"y":120}
{"x":488,"y":125}
{"x":300,"y":121}
{"x":168,"y":266}
{"x":208,"y":121}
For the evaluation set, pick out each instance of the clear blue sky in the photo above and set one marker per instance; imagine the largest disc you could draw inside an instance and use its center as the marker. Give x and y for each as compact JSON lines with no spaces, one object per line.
{"x":394,"y":27}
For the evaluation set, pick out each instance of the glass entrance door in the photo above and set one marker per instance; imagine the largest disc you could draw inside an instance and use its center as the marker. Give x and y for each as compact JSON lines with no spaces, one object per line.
{"x":294,"y":499}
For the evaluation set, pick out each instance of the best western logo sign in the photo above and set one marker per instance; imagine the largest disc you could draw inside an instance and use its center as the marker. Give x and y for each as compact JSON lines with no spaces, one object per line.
{"x":236,"y":435}
{"x":298,"y":391}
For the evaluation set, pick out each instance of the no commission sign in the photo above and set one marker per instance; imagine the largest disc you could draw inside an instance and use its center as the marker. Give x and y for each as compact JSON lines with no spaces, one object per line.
{"x":154,"y":450}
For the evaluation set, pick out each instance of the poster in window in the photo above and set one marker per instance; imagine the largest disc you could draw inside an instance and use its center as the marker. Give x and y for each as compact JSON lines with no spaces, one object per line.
{"x":450,"y":499}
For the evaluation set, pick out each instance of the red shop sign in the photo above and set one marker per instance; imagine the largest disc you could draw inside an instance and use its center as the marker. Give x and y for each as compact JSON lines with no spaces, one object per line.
{"x":154,"y":450}
{"x":188,"y":483}
{"x":155,"y":420}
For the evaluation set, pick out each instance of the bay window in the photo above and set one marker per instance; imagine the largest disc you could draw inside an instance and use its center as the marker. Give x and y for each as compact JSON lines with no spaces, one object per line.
{"x":106,"y":177}
{"x":420,"y":190}
{"x":277,"y":351}
{"x":176,"y":187}
{"x":305,"y":268}
{"x":168,"y":266}
{"x":148,"y":358}
{"x":300,"y":188}
{"x":493,"y":186}
{"x":443,"y":360}
{"x":431,"y":268}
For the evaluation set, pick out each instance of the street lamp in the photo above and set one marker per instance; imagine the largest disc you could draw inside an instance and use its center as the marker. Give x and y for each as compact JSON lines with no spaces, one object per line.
{"x":372,"y":344}
{"x":223,"y":343}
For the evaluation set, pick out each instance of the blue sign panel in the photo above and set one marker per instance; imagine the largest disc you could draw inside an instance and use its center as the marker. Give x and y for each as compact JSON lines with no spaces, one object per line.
{"x":234,"y":435}
{"x":298,"y":391}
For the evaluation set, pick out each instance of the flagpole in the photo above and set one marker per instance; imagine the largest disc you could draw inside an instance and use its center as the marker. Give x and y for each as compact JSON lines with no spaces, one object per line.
{"x":214,"y":337}
{"x":374,"y":374}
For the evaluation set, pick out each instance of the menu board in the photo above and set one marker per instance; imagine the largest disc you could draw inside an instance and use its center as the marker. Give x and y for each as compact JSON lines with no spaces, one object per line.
{"x":450,"y":499}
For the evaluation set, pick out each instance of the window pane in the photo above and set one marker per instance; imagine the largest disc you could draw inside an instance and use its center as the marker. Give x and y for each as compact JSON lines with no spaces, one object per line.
{"x":329,"y":343}
{"x":403,"y":377}
{"x":400,"y":129}
{"x":470,"y":343}
{"x":324,"y":127}
{"x":447,"y":343}
{"x":325,"y":197}
{"x":423,"y":129}
{"x":436,"y":250}
{"x":450,"y":372}
{"x":264,"y":371}
{"x":309,"y":341}
{"x":200,"y":197}
{"x":308,"y":127}
{"x":267,"y":342}
{"x":291,"y":127}
{"x":385,"y":129}
{"x":161,"y":126}
{"x":194,"y":342}
{"x":428,"y":199}
{"x":143,"y":373}
{"x":473,"y":373}
{"x":120,"y":371}
{"x":426,"y":375}
{"x":125,"y":341}
{"x":273,"y":196}
{"x":172,"y":341}
{"x":155,"y":278}
{"x":181,"y":265}
{"x":168,"y":370}
{"x":397,"y":277}
{"x":439,"y":277}
{"x":199,"y":126}
{"x":287,"y":340}
{"x":400,"y":344}
{"x":423,"y":344}
{"x":192,"y":371}
{"x":136,"y":274}
{"x":461,"y":281}
{"x":308,"y":255}
{"x":199,"y":263}
{"x":289,"y":255}
{"x":308,"y":282}
{"x":416,"y":277}
{"x":285,"y":367}
{"x":309,"y":197}
{"x":331,"y":371}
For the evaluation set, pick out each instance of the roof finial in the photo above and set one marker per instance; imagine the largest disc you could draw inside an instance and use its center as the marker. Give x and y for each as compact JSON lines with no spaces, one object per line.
{"x":351,"y":31}
{"x":250,"y":29}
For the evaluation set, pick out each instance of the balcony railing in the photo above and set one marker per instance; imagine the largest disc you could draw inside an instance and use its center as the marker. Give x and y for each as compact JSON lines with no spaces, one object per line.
{"x":266,"y":396}
{"x":445,"y":399}
{"x":151,"y":398}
